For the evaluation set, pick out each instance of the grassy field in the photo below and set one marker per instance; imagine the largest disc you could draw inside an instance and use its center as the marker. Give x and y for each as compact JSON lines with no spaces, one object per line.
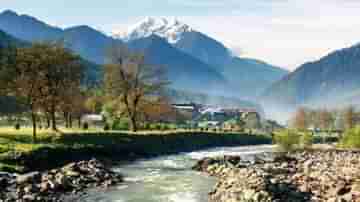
{"x":19,"y":153}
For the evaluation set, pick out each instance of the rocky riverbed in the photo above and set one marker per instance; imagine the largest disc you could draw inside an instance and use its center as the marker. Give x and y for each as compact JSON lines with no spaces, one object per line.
{"x":56,"y":184}
{"x":326,"y":176}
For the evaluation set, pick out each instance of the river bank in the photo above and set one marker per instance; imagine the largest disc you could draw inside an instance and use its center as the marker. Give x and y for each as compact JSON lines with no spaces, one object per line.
{"x":44,"y":181}
{"x":53,"y":185}
{"x":58,"y":150}
{"x":302,"y":176}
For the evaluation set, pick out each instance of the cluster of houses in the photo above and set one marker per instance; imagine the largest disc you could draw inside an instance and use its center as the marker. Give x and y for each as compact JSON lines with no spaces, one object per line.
{"x":201,"y":116}
{"x":207,"y":116}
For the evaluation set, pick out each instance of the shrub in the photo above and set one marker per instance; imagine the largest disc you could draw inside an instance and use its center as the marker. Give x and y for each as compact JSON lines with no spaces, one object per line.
{"x":153,"y":126}
{"x":165,"y":127}
{"x":172,"y":126}
{"x":351,"y":139}
{"x":120,"y":124}
{"x":106,"y":127}
{"x":306,"y":140}
{"x":147,"y":126}
{"x":158,"y":127}
{"x":17,"y":126}
{"x":287,"y":140}
{"x":86,"y":126}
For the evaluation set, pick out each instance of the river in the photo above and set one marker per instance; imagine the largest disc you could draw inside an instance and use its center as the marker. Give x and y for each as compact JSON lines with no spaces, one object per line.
{"x":168,"y":178}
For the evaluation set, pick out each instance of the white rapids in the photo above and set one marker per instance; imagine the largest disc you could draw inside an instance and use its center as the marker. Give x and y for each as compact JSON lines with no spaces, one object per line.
{"x":168,"y":178}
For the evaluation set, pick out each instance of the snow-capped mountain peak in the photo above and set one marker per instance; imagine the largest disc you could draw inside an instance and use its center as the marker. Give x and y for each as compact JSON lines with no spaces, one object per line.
{"x":170,"y":29}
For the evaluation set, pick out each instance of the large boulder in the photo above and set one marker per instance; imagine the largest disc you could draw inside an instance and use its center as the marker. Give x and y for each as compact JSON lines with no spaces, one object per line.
{"x":28,"y":178}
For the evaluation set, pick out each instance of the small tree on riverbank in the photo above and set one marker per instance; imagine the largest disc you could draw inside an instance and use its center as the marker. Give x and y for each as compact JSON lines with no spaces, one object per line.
{"x":351,"y":138}
{"x":287,"y":140}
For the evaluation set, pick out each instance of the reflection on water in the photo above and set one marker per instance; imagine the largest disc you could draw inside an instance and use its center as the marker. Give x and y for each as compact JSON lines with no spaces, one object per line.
{"x":167,"y":179}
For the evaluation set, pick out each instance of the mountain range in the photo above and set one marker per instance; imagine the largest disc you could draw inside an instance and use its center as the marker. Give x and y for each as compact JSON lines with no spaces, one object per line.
{"x":246,"y":77}
{"x":193,"y":60}
{"x":182,"y":70}
{"x":198,"y":63}
{"x":332,"y":81}
{"x":92,"y":72}
{"x":6,"y":40}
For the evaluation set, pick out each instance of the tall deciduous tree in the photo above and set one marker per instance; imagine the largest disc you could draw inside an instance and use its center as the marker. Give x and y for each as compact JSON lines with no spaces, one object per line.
{"x":24,"y":78}
{"x":325,"y":119}
{"x":299,"y":120}
{"x":349,"y":117}
{"x":64,"y":72}
{"x":130,"y":79}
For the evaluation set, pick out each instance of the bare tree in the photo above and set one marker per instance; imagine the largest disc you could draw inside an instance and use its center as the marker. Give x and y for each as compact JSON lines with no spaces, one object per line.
{"x":129,"y":78}
{"x":326,"y":122}
{"x":325,"y":119}
{"x":349,"y":117}
{"x":300,"y":120}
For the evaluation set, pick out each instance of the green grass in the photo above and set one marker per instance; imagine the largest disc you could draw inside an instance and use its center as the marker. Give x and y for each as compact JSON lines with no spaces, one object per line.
{"x":56,"y":148}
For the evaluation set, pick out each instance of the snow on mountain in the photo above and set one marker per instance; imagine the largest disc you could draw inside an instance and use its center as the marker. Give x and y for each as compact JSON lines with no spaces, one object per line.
{"x":169,"y":29}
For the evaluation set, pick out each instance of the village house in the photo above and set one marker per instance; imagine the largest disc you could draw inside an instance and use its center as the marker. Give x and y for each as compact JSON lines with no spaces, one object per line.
{"x":190,"y":110}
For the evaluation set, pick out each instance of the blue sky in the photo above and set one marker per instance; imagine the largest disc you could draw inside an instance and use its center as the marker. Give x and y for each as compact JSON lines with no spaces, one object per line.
{"x":282,"y":32}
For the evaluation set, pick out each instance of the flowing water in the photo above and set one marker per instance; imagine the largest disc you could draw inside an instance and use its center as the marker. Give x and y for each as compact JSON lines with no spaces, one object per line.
{"x":168,"y":178}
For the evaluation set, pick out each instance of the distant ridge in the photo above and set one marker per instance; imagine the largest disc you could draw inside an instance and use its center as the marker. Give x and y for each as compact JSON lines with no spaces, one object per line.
{"x":180,"y":66}
{"x":247,"y":77}
{"x":321,"y":83}
{"x":193,"y":59}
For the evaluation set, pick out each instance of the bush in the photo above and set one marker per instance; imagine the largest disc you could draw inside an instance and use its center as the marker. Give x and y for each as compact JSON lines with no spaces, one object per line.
{"x":147,"y":126}
{"x":153,"y":126}
{"x":86,"y":126}
{"x":351,"y":139}
{"x":172,"y":126}
{"x":106,"y":127}
{"x":287,"y":140}
{"x":306,"y":140}
{"x":165,"y":127}
{"x":17,"y":126}
{"x":158,"y":127}
{"x":120,"y":124}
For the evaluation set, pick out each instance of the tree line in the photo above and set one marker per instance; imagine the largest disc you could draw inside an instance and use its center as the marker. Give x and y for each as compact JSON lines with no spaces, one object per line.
{"x":42,"y":78}
{"x":324,"y":119}
{"x":45,"y":79}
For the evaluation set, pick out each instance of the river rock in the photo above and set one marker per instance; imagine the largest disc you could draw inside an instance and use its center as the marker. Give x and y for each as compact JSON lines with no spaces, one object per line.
{"x":50,"y":186}
{"x":28,"y":178}
{"x":332,"y":176}
{"x":208,"y":164}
